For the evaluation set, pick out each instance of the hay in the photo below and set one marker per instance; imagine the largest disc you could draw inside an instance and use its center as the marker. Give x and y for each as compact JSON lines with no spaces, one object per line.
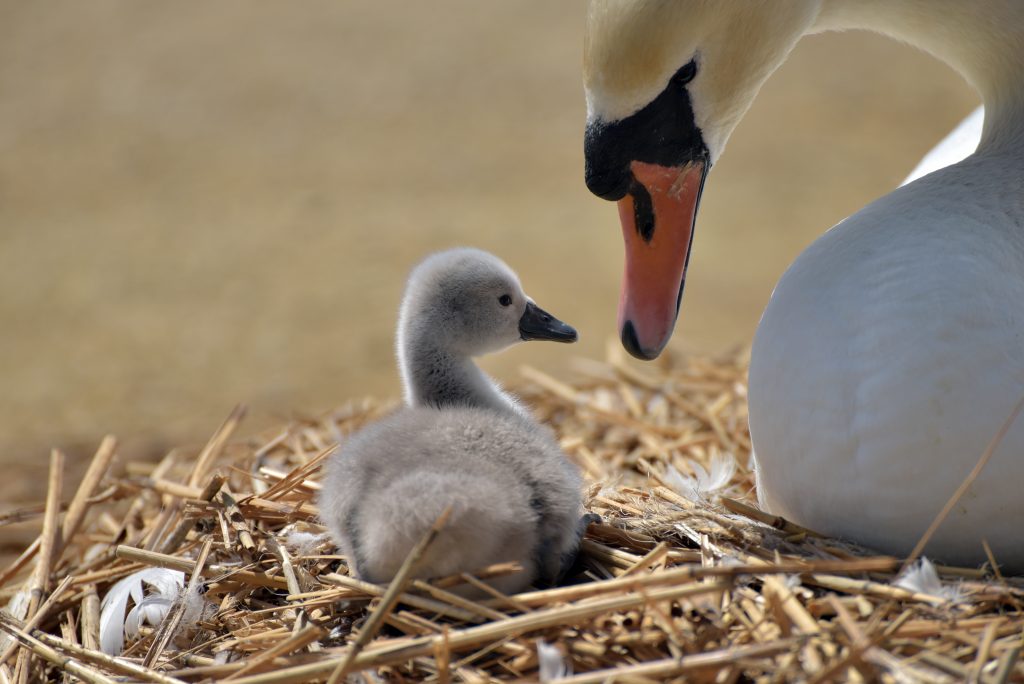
{"x":702,"y":587}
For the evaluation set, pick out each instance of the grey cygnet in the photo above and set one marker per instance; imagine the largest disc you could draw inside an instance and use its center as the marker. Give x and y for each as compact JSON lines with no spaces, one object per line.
{"x":460,"y":441}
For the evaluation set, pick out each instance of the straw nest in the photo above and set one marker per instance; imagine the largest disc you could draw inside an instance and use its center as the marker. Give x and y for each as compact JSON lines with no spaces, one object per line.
{"x":684,"y":578}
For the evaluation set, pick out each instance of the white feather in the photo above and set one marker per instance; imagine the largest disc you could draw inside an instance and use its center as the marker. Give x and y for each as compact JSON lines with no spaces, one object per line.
{"x":152,"y":611}
{"x":553,"y":664}
{"x":195,"y":607}
{"x":303,"y":543}
{"x":113,"y":622}
{"x":703,"y":482}
{"x":922,"y":578}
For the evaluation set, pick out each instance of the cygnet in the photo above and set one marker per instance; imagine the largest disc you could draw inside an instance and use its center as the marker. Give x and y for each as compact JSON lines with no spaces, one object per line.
{"x":460,"y":441}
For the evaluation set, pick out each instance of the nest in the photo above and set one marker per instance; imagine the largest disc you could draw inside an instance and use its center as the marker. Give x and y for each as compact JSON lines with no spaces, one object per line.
{"x":683,"y":578}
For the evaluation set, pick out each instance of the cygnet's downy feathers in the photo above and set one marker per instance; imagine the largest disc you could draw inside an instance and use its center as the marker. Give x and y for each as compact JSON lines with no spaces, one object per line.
{"x":513,"y":494}
{"x":459,"y":442}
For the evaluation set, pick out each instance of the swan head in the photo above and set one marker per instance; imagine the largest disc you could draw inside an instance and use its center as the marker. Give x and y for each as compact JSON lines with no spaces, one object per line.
{"x":666,"y":83}
{"x":468,"y":302}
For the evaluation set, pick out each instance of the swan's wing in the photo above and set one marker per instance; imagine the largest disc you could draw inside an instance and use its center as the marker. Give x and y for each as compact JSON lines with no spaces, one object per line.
{"x":961,"y":142}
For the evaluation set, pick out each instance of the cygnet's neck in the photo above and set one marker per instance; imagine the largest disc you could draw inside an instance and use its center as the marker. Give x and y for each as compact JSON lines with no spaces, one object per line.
{"x":981,"y":40}
{"x":435,"y":375}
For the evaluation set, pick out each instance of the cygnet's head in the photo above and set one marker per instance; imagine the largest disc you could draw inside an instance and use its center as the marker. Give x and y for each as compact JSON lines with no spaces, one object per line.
{"x":470,"y":303}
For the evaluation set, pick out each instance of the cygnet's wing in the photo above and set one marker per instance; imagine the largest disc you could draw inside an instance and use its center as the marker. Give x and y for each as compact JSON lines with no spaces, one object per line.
{"x":517,"y":447}
{"x":488,"y":523}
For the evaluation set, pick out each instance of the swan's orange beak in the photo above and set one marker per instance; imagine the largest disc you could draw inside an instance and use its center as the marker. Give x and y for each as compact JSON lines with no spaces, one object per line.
{"x":657,"y":217}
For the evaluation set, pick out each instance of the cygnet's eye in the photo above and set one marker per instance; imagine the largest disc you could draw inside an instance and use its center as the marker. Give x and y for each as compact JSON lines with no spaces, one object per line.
{"x":687,"y":73}
{"x":505,"y":300}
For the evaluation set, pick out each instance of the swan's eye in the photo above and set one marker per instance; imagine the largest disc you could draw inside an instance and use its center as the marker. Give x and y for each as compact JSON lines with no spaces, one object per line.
{"x":505,"y":300}
{"x":687,"y":73}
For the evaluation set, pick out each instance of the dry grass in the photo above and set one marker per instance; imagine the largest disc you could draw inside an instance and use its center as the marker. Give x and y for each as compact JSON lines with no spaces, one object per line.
{"x":667,"y":587}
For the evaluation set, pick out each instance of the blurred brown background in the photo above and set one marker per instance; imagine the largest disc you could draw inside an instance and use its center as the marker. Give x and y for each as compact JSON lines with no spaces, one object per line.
{"x":210,"y":203}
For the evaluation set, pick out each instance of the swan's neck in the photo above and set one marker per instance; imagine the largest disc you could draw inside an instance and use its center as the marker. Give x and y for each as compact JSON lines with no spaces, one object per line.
{"x":981,"y":39}
{"x":435,"y":376}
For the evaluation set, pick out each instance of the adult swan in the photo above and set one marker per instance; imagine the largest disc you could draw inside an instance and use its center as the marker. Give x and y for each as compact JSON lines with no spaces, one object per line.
{"x":892,"y":350}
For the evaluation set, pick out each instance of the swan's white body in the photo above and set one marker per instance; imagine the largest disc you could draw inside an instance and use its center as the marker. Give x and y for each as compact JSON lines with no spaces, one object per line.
{"x":889,"y":355}
{"x":892,"y":350}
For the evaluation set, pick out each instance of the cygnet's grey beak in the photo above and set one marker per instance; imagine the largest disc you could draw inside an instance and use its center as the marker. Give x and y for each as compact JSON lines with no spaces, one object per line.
{"x":538,"y":324}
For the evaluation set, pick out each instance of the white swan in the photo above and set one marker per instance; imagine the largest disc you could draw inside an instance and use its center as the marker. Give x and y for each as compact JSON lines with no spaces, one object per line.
{"x":460,"y":442}
{"x":893,"y":348}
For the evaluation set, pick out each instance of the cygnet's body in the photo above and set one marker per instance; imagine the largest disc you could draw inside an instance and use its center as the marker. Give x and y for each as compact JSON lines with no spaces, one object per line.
{"x":460,"y":442}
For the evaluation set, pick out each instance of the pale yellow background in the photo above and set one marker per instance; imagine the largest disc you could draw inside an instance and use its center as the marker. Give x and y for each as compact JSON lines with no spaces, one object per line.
{"x":204,"y":203}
